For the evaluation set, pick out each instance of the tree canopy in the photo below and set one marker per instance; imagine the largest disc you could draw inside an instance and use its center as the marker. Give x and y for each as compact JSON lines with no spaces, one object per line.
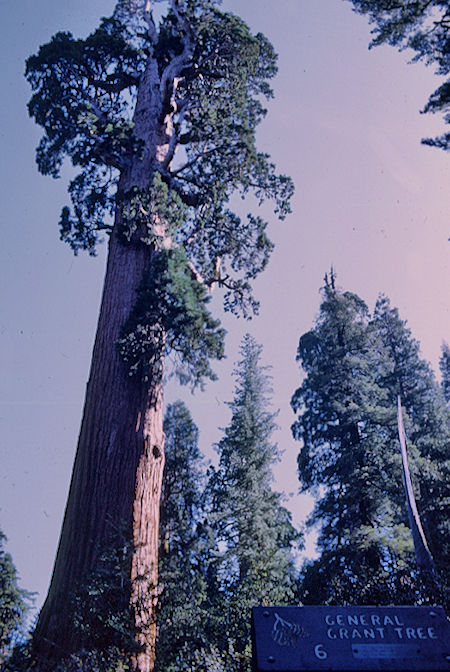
{"x":210,"y":76}
{"x":355,"y":365}
{"x":422,"y":26}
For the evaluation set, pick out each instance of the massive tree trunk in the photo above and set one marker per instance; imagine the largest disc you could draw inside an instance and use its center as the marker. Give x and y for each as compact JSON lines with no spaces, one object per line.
{"x":116,"y":481}
{"x":202,"y":95}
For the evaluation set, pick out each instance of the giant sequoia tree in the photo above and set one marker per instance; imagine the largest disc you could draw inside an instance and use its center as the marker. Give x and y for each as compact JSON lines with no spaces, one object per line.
{"x":355,"y":367}
{"x":159,"y":120}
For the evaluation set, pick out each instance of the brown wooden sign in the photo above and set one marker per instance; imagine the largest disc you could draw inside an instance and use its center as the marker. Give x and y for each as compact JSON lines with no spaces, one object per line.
{"x":306,"y":639}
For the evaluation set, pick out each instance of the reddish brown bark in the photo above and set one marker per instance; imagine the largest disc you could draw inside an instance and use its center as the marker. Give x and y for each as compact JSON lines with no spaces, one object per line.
{"x":117,"y":475}
{"x":116,"y":479}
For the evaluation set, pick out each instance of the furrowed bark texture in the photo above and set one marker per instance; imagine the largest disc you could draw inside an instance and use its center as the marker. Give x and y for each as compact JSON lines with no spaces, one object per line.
{"x":116,"y":480}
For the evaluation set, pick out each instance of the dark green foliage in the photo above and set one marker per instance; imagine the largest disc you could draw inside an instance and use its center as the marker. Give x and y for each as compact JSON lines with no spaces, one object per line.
{"x":14,"y":601}
{"x":444,"y":365}
{"x":101,"y":611}
{"x":170,"y":314}
{"x":253,"y":529}
{"x":81,"y":99}
{"x":422,"y":26}
{"x":111,"y":659}
{"x":355,"y":367}
{"x":85,"y":93}
{"x":427,"y":425}
{"x":185,"y":602}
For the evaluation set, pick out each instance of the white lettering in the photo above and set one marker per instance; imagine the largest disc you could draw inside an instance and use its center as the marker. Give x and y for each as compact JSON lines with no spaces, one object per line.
{"x":352,"y":620}
{"x":340,"y":619}
{"x":421,"y":633}
{"x":320,"y":652}
{"x":363,"y":620}
{"x":375,"y":619}
{"x":381,"y":631}
{"x":329,"y":620}
{"x":432,"y":633}
{"x":331,"y":634}
{"x":410,"y":633}
{"x":369,"y":633}
{"x":397,"y":621}
{"x":388,"y":621}
{"x":343,"y":633}
{"x":399,"y":632}
{"x":356,"y":634}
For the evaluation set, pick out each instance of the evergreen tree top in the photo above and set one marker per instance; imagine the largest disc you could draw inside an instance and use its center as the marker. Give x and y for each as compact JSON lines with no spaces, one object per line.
{"x":209,"y":76}
{"x":355,"y":365}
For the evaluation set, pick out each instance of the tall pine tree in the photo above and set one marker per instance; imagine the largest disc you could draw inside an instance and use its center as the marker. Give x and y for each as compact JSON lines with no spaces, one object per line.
{"x":355,"y":368}
{"x":344,"y":459}
{"x":159,"y":119}
{"x":253,"y":529}
{"x":185,"y":602}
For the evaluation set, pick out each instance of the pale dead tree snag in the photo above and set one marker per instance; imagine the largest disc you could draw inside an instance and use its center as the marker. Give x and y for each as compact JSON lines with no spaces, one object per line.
{"x":155,"y":118}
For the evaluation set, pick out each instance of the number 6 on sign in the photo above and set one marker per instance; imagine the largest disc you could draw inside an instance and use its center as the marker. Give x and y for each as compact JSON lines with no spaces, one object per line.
{"x":320,"y":652}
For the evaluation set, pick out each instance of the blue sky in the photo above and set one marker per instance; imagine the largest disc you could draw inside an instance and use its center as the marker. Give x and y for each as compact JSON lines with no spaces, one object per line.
{"x":370,"y":200}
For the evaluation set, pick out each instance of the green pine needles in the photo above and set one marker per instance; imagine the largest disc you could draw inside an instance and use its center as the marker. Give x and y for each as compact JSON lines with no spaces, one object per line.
{"x":170,"y":314}
{"x":160,"y":121}
{"x":355,"y":365}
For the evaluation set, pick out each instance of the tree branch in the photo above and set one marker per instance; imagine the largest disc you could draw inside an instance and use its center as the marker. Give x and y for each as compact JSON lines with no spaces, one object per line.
{"x":148,"y":16}
{"x":173,"y":142}
{"x":188,"y":197}
{"x":176,"y":65}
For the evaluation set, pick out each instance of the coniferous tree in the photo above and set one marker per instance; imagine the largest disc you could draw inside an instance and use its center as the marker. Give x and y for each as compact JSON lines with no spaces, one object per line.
{"x":184,"y":595}
{"x":14,"y":601}
{"x":444,"y":365}
{"x":155,"y":117}
{"x":355,"y":368}
{"x":252,"y":528}
{"x":344,"y":460}
{"x":427,"y":423}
